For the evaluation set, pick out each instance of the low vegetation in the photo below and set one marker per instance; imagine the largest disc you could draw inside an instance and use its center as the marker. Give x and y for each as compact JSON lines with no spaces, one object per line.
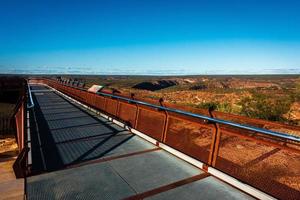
{"x":265,"y":106}
{"x":275,"y":98}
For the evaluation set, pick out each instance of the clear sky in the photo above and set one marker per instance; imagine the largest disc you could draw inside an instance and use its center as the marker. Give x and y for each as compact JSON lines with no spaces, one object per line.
{"x":150,"y":36}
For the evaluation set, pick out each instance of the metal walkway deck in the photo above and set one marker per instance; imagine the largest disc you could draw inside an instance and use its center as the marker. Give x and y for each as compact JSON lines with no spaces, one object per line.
{"x":78,"y":155}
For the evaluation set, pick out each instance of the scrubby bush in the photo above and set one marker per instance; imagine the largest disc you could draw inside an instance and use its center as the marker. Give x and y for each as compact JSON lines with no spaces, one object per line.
{"x":207,"y":105}
{"x":265,"y":107}
{"x":225,"y":107}
{"x":222,"y":107}
{"x":199,"y":86}
{"x":297,"y":92}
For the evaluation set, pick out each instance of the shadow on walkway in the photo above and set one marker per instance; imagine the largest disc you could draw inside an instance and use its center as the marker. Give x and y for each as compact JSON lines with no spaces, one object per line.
{"x":65,"y":143}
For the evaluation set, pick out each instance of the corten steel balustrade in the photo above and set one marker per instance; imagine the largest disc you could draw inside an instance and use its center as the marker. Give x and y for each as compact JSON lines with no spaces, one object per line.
{"x":20,"y":122}
{"x":19,"y":115}
{"x":22,"y":127}
{"x":241,"y":147}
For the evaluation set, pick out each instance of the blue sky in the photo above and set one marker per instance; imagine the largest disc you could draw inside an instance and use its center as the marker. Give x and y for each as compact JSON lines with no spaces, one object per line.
{"x":150,"y":36}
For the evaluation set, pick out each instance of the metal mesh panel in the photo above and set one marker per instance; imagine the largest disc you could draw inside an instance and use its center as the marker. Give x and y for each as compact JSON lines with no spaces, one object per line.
{"x":294,"y":130}
{"x":19,"y":117}
{"x":100,"y":102}
{"x":91,"y":99}
{"x":151,"y":122}
{"x":190,"y":138}
{"x":78,"y":95}
{"x":271,"y":169}
{"x":81,"y":95}
{"x":73,"y":92}
{"x":111,"y":106}
{"x":294,"y":146}
{"x":127,"y":113}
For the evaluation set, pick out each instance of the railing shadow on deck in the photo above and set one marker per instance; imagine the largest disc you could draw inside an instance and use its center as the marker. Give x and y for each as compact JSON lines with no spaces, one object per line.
{"x":54,"y":157}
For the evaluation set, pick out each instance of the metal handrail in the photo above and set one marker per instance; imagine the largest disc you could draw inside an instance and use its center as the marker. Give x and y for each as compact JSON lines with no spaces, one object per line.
{"x":215,"y":120}
{"x":30,"y":98}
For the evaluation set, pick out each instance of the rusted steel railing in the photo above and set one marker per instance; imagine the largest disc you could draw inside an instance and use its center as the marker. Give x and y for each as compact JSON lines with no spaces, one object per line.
{"x":25,"y":102}
{"x":30,"y":103}
{"x":210,"y":119}
{"x":19,"y":116}
{"x":21,"y":165}
{"x":266,"y":159}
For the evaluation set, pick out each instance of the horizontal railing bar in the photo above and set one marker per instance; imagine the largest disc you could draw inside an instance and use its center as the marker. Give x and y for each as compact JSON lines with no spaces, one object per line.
{"x":215,"y":120}
{"x":30,"y":97}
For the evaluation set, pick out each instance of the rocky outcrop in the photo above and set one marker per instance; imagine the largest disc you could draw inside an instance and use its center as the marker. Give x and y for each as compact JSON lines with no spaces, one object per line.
{"x":155,"y":85}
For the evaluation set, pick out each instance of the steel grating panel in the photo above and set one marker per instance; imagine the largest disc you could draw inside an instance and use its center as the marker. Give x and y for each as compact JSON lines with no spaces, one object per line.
{"x":209,"y":188}
{"x":59,"y":110}
{"x":84,"y":150}
{"x":38,"y":87}
{"x":81,"y":132}
{"x":110,"y":123}
{"x":54,"y":106}
{"x":70,"y":122}
{"x":95,"y":181}
{"x":151,"y":170}
{"x":65,"y":115}
{"x":74,"y":137}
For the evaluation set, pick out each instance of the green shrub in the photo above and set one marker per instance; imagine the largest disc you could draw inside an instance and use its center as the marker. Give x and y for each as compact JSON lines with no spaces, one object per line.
{"x":225,"y":107}
{"x":265,"y":107}
{"x":207,"y":105}
{"x":222,"y":107}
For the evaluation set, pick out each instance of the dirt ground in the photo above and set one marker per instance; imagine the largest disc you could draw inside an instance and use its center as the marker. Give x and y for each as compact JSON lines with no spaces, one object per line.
{"x":8,"y":147}
{"x":10,"y":187}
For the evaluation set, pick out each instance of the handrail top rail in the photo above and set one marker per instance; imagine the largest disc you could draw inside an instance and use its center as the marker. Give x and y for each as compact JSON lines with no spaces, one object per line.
{"x":199,"y":116}
{"x":30,"y":97}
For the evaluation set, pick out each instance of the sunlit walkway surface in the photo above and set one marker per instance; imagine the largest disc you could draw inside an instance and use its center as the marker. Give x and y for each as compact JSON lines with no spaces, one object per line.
{"x":77,"y":155}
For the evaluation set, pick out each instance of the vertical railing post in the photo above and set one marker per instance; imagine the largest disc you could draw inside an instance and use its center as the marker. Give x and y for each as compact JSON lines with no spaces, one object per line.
{"x":105,"y":104}
{"x":22,"y":124}
{"x":137,"y":112}
{"x":118,"y":103}
{"x":118,"y":107}
{"x":214,"y":150}
{"x":19,"y":115}
{"x":17,"y":126}
{"x":166,"y":122}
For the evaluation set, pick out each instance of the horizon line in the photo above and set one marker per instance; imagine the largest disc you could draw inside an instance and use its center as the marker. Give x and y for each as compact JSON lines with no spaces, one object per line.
{"x":87,"y":74}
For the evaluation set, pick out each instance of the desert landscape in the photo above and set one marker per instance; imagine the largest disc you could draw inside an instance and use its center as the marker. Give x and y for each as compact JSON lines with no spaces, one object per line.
{"x":268,"y":97}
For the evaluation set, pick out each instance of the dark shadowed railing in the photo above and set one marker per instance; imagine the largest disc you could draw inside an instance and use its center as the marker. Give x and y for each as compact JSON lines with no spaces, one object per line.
{"x":22,"y":131}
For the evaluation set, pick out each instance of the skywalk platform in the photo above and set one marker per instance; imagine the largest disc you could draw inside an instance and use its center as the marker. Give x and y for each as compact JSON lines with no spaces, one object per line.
{"x":79,"y":155}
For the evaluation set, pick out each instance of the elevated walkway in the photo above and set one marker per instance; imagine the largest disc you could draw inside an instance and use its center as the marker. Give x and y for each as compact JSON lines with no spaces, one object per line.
{"x":77,"y":154}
